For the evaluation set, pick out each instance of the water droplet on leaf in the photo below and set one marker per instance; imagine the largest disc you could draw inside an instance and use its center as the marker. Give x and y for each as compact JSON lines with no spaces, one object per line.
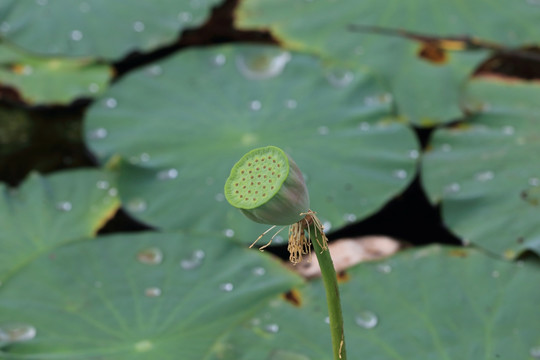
{"x":255,"y":105}
{"x":219,"y":60}
{"x":150,"y":256}
{"x":152,"y":292}
{"x":366,"y":319}
{"x":259,"y":271}
{"x":111,"y":103}
{"x":384,"y":268}
{"x":227,"y":287}
{"x":340,"y":78}
{"x":535,"y":351}
{"x":400,"y":174}
{"x":484,"y":176}
{"x":138,"y":26}
{"x":185,"y":17}
{"x":168,"y":174}
{"x":102,"y":184}
{"x":76,"y":35}
{"x":534,"y":181}
{"x":291,"y":104}
{"x":262,"y":64}
{"x":64,"y":206}
{"x":452,"y":188}
{"x":349,"y":217}
{"x":228,"y":233}
{"x":16,"y":332}
{"x":272,"y":328}
{"x":194,"y":261}
{"x":137,"y":205}
{"x":97,"y":134}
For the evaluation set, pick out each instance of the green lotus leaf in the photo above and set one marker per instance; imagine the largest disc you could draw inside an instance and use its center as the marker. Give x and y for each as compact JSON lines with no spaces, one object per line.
{"x":98,"y":28}
{"x":484,"y":171}
{"x":181,"y":131}
{"x":142,"y":296}
{"x":426,"y":87}
{"x":41,"y":80}
{"x":428,"y":303}
{"x":45,"y":212}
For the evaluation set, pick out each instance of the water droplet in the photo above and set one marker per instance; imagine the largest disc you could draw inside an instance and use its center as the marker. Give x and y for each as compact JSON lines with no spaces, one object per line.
{"x":113,"y":192}
{"x":349,"y":217}
{"x":484,"y":176}
{"x":278,"y":240}
{"x":291,"y":104}
{"x":272,"y":328}
{"x":384,"y":268}
{"x":227,"y":287}
{"x":340,"y":78}
{"x":228,"y":233}
{"x":150,"y":256}
{"x":42,"y":2}
{"x":102,"y":184}
{"x":5,"y":27}
{"x":327,"y":319}
{"x":76,"y":35}
{"x":219,"y":60}
{"x":534,"y":181}
{"x":154,"y":70}
{"x":93,"y":88}
{"x":194,"y":261}
{"x":255,"y":105}
{"x":152,"y":292}
{"x":141,"y":158}
{"x":168,"y":174}
{"x":495,"y":274}
{"x":26,"y":70}
{"x":111,"y":103}
{"x":262,"y":64}
{"x":185,"y":17}
{"x":327,"y":225}
{"x":143,"y":346}
{"x":138,"y":26}
{"x":400,"y":174}
{"x":64,"y":206}
{"x":16,"y":332}
{"x":219,"y":197}
{"x":323,"y":130}
{"x":99,"y":133}
{"x":84,"y":7}
{"x":137,"y":205}
{"x":366,"y":319}
{"x":364,"y":126}
{"x":446,"y":147}
{"x":452,"y":188}
{"x":259,"y":271}
{"x":98,"y":284}
{"x":414,"y":154}
{"x":508,"y":130}
{"x":535,"y":351}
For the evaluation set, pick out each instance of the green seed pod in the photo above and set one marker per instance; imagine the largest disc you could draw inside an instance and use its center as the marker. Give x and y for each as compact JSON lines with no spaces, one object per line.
{"x":268,"y":187}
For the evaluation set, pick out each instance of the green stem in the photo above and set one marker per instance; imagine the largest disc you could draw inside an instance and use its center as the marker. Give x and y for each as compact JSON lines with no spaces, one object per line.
{"x":332,"y":296}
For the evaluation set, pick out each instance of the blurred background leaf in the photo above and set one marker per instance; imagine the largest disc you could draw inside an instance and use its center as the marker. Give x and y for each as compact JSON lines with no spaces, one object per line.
{"x":483,"y":172}
{"x":182,"y":127}
{"x":143,"y":296}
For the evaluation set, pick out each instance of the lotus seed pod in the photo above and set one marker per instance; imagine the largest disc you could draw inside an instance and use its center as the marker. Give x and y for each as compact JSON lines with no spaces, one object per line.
{"x":268,"y":187}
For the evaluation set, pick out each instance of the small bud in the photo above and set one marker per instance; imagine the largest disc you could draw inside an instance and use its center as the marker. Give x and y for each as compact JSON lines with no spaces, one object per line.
{"x":268,"y":187}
